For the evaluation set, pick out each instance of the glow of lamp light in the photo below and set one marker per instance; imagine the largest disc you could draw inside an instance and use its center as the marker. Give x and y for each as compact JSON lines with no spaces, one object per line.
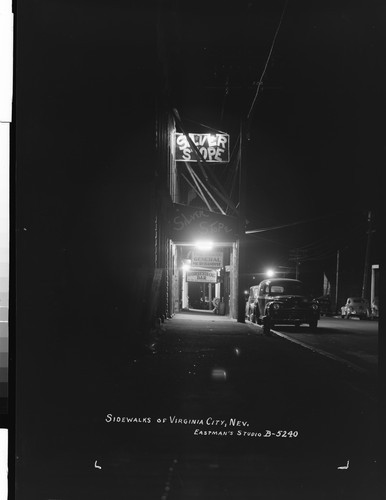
{"x":204,"y":245}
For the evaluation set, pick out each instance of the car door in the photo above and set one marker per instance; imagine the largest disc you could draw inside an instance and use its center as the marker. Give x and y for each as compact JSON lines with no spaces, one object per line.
{"x":262,"y":297}
{"x":250,"y":302}
{"x":255,"y":300}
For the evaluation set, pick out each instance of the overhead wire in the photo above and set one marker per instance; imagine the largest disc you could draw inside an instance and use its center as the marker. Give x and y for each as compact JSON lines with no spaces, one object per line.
{"x":232,"y":168}
{"x":213,"y":129}
{"x":316,"y":250}
{"x":197,"y":189}
{"x":273,"y":228}
{"x":197,"y":179}
{"x":260,"y":81}
{"x":217,"y":188}
{"x":350,"y":233}
{"x":304,"y":221}
{"x":328,"y":252}
{"x":229,"y":171}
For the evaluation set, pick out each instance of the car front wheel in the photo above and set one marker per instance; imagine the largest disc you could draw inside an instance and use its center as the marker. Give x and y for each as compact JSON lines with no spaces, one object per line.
{"x":267,"y":326}
{"x":258,"y":317}
{"x":313,"y":324}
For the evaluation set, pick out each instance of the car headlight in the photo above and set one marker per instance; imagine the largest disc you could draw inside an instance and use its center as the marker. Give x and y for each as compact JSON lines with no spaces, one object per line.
{"x":276,"y":306}
{"x":315,"y":307}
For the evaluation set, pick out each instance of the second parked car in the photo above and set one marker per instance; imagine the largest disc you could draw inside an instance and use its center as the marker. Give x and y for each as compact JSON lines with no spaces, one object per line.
{"x":281,"y":302}
{"x":357,"y":307}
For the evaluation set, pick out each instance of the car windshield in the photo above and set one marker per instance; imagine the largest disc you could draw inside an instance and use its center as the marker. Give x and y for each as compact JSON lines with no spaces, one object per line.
{"x":286,"y":288}
{"x":358,"y":301}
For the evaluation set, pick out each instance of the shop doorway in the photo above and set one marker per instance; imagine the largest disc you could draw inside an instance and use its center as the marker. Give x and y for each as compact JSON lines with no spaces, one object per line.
{"x":206,"y":279}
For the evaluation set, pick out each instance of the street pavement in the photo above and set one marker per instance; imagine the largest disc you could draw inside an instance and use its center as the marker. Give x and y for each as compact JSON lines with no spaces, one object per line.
{"x":213,"y":410}
{"x":352,"y":342}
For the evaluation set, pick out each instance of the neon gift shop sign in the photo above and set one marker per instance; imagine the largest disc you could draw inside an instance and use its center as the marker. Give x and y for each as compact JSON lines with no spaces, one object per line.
{"x":214,"y":148}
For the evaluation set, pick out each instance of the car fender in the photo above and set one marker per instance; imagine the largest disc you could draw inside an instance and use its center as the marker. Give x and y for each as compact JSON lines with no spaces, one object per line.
{"x":267,"y":307}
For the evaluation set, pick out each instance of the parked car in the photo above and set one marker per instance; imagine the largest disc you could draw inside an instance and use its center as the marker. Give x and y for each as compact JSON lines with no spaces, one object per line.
{"x":357,"y":307}
{"x":281,"y":301}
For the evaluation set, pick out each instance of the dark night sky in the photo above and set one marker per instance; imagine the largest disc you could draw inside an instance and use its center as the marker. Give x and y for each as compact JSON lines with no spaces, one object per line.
{"x":315,"y":145}
{"x":87,"y":85}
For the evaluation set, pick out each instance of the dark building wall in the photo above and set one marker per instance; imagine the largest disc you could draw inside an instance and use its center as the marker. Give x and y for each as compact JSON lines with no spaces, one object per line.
{"x":84,"y":204}
{"x":85,"y":141}
{"x":164,"y":188}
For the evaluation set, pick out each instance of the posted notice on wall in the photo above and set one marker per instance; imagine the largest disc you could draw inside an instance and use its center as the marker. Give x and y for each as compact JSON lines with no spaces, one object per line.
{"x":208,"y":260}
{"x":201,"y":276}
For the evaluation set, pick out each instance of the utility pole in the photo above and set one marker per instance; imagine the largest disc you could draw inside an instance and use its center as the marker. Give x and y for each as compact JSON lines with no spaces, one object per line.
{"x":242,"y":241}
{"x":337,"y":281}
{"x":297,"y":256}
{"x":367,"y":257}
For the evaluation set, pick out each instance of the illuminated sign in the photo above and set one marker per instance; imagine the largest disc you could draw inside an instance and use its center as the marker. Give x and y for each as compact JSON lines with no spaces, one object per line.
{"x":214,"y":148}
{"x":201,"y":276}
{"x":190,"y":224}
{"x":209,"y":260}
